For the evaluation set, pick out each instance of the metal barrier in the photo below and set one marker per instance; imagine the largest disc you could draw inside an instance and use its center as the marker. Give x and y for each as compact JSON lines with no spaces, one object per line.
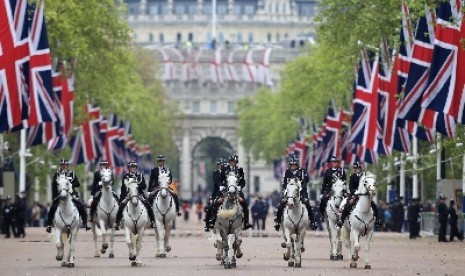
{"x":430,"y":224}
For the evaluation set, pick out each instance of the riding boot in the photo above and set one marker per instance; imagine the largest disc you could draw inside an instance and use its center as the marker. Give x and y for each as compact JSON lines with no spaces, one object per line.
{"x":93,"y":206}
{"x":119,"y":214}
{"x":345,"y":213}
{"x":208,"y":213}
{"x":323,"y":203}
{"x":150,"y":213}
{"x":279,"y":216}
{"x":311,"y":215}
{"x":51,"y":215}
{"x":176,"y":202}
{"x":245,"y":209}
{"x":82,"y":212}
{"x":375,"y":214}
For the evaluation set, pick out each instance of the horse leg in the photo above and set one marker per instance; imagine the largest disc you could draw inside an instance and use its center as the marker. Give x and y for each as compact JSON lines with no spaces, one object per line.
{"x":139,"y":246}
{"x":368,"y":238}
{"x":353,"y":248}
{"x":59,"y":244}
{"x":103,"y":229}
{"x":297,"y":250}
{"x":72,"y":242}
{"x":332,"y":238}
{"x":239,"y":253}
{"x":339,"y":244}
{"x":287,"y":236}
{"x":226,"y":260}
{"x":129,"y":243}
{"x":167,"y":238}
{"x":161,"y":240}
{"x":94,"y":237}
{"x":112,"y":240}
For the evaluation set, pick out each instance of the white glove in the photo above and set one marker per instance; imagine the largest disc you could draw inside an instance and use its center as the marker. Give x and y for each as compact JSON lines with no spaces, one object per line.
{"x":239,"y":188}
{"x":127,"y":181}
{"x":89,"y":202}
{"x":221,"y":188}
{"x":100,"y":183}
{"x":321,"y":196}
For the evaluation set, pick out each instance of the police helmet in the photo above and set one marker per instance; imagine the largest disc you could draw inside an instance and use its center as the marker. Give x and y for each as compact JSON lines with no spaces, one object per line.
{"x":357,"y":165}
{"x":63,"y":161}
{"x":442,"y":196}
{"x":234,"y":158}
{"x":132,"y":164}
{"x":334,"y":159}
{"x":293,"y":160}
{"x":161,"y":157}
{"x":220,"y":161}
{"x":103,"y":163}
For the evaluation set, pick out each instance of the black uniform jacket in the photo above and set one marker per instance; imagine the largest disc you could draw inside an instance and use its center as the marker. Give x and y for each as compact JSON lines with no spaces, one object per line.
{"x":154,"y":173}
{"x":68,"y":173}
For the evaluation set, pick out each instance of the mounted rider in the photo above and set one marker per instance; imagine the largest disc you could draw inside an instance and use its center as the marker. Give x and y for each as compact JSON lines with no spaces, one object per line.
{"x":330,"y":174}
{"x":71,"y":175}
{"x":211,"y":209}
{"x":239,"y":172}
{"x":294,"y":171}
{"x":127,"y":178}
{"x":96,"y":192}
{"x":353,"y":197}
{"x":154,"y":181}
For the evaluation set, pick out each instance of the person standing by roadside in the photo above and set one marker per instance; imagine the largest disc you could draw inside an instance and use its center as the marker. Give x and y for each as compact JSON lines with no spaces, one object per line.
{"x":453,"y":221}
{"x":443,"y":214}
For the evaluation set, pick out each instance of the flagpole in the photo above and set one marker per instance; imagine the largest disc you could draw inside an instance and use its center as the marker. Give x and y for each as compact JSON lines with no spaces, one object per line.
{"x":2,"y":147}
{"x":415,"y":168}
{"x":22,"y":162}
{"x":213,"y":19}
{"x":402,"y":176}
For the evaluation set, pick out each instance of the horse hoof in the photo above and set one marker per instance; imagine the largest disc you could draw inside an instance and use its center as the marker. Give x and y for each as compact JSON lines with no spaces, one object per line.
{"x":340,"y":257}
{"x":283,"y":245}
{"x":59,"y":258}
{"x":133,"y":264}
{"x":103,"y":251}
{"x":367,"y":266}
{"x":353,"y":265}
{"x":298,"y":265}
{"x":239,"y":255}
{"x":354,"y":258}
{"x":302,"y":250}
{"x":227,"y":266}
{"x":290,"y":263}
{"x":162,"y":255}
{"x":97,"y":255}
{"x":111,"y":255}
{"x":105,"y":246}
{"x":168,"y":249}
{"x":64,"y":264}
{"x":132,"y":258}
{"x":70,"y":264}
{"x":333,"y":258}
{"x":233,"y":265}
{"x":218,"y":257}
{"x":285,"y":257}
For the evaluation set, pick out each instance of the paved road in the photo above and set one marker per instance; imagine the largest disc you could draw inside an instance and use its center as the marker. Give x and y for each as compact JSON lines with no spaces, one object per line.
{"x":193,"y":254}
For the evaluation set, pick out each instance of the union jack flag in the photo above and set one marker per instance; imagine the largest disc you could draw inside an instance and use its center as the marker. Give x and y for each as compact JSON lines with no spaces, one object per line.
{"x":14,"y":67}
{"x":446,"y":83}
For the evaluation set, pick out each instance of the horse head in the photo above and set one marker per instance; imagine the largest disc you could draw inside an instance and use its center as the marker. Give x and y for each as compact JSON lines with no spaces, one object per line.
{"x":64,"y":186}
{"x":133,"y":191}
{"x":107,"y":178}
{"x":164,"y":183}
{"x":293,"y":192}
{"x":337,"y":192}
{"x":367,"y":184}
{"x":232,"y":187}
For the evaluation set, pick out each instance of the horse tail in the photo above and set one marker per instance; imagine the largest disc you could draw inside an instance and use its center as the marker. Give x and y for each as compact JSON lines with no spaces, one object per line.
{"x":227,"y":214}
{"x":345,"y":234}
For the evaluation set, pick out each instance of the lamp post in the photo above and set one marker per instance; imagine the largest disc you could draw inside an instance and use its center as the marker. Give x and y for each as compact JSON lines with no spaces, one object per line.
{"x":401,"y":164}
{"x":23,"y":153}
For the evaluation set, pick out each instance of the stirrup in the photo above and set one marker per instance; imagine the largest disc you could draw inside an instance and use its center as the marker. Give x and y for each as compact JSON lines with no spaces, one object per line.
{"x":48,"y":229}
{"x":152,"y":224}
{"x":340,"y":223}
{"x":116,"y":226}
{"x":277,"y":227}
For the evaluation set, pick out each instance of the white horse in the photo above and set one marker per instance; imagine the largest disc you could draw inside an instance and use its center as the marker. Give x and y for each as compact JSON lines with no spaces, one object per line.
{"x":165,"y":215}
{"x":333,"y":213}
{"x":105,"y":216}
{"x":66,"y":220}
{"x":361,"y":220}
{"x":229,"y":225}
{"x":295,"y":223}
{"x":135,"y":220}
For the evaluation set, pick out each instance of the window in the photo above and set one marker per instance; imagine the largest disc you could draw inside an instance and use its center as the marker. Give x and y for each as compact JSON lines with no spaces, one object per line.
{"x":196,"y":107}
{"x":153,"y":9}
{"x":179,"y":9}
{"x":268,"y":37}
{"x":150,"y":37}
{"x":239,"y":38}
{"x":278,"y":37}
{"x":237,"y":9}
{"x":222,"y":9}
{"x":231,"y":107}
{"x":161,"y":37}
{"x":250,"y":38}
{"x":213,"y":106}
{"x":207,"y":8}
{"x":192,"y":9}
{"x":249,"y":9}
{"x":179,"y":37}
{"x":190,"y":37}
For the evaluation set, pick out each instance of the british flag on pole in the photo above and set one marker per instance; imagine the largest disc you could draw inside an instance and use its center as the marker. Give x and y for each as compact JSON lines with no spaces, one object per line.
{"x":446,"y":81}
{"x":14,"y":67}
{"x":365,"y":130}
